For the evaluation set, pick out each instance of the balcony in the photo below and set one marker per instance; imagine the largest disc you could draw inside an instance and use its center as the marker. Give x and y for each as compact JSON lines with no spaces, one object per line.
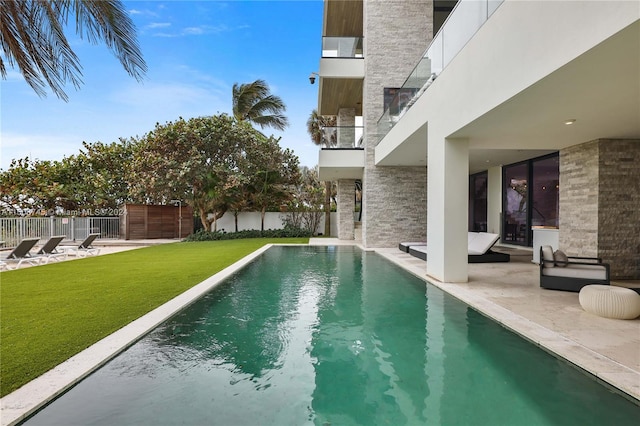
{"x":341,"y":75}
{"x":461,"y":25}
{"x":342,"y":156}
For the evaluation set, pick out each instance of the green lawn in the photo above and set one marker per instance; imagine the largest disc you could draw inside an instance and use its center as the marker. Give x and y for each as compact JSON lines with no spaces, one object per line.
{"x":50,"y":313}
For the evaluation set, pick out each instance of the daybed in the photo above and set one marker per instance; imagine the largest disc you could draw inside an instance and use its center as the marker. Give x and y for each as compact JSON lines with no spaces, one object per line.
{"x":478,"y":247}
{"x":570,"y":273}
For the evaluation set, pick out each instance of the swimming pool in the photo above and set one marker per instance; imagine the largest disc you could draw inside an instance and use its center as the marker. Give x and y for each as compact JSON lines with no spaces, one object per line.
{"x":334,"y":335}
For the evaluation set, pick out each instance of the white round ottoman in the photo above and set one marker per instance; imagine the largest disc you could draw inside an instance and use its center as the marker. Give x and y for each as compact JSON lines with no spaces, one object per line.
{"x":610,"y":301}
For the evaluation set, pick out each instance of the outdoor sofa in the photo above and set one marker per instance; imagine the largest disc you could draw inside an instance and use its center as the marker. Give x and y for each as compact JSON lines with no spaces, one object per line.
{"x":570,"y":273}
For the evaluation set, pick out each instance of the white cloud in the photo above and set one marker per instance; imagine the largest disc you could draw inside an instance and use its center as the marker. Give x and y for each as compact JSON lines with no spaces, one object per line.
{"x":154,"y":25}
{"x":194,"y":31}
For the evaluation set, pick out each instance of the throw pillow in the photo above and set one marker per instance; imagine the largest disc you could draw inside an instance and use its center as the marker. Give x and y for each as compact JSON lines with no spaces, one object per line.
{"x":560,"y":257}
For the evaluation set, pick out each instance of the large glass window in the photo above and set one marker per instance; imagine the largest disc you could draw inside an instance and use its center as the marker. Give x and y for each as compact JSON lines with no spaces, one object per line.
{"x":544,"y":192}
{"x":530,"y":198}
{"x":515,"y":205}
{"x":478,"y":202}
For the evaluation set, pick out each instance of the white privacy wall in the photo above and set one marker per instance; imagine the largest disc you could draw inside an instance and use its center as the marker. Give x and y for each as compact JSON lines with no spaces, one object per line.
{"x":272,"y":220}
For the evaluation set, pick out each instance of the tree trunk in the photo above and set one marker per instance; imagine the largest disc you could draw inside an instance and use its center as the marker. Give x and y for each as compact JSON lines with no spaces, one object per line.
{"x":262,"y":213}
{"x":204,"y":219}
{"x":235,"y":217}
{"x":327,"y":208}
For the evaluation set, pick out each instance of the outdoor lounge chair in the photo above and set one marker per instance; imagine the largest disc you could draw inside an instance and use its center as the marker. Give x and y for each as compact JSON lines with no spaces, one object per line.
{"x":570,"y":273}
{"x":478,"y":247}
{"x":406,"y":246}
{"x":50,"y":249}
{"x":21,"y":253}
{"x":84,"y":248}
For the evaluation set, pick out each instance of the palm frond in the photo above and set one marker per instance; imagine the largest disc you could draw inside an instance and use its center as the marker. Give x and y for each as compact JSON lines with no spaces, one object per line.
{"x":32,"y":40}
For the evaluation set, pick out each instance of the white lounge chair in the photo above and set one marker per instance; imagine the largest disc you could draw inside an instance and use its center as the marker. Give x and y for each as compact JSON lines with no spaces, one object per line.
{"x":21,"y":253}
{"x":84,"y":248}
{"x":49,"y":251}
{"x":478,"y":248}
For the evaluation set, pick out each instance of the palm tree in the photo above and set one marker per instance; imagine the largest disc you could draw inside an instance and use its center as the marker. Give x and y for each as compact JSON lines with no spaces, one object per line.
{"x":315,"y":127}
{"x":254,"y":103}
{"x":32,"y":39}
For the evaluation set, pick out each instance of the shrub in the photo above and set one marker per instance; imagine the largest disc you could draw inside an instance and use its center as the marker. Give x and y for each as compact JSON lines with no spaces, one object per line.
{"x":287,"y":232}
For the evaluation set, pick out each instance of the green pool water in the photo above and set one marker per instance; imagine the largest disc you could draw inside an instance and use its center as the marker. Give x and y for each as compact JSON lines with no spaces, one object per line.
{"x":334,"y":336}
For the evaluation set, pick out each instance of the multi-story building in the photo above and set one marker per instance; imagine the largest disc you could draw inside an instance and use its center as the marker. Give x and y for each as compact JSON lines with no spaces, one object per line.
{"x":485,"y":115}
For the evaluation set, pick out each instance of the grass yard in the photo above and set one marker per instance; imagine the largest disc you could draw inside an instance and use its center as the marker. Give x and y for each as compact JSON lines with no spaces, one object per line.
{"x":50,"y":313}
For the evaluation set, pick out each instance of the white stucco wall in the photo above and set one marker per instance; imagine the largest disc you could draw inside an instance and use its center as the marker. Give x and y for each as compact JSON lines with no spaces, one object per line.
{"x":272,"y":220}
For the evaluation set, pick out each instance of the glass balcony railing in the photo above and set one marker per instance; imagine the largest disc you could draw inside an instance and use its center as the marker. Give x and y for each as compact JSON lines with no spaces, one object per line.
{"x":342,"y":47}
{"x":342,"y":137}
{"x":463,"y":22}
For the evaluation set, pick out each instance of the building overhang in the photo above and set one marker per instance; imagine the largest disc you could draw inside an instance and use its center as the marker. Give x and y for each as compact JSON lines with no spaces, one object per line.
{"x":515,"y":106}
{"x":341,"y":83}
{"x":335,"y":164}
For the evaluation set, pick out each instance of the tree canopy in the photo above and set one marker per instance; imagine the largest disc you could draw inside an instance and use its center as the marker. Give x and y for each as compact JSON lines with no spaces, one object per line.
{"x":217,"y":163}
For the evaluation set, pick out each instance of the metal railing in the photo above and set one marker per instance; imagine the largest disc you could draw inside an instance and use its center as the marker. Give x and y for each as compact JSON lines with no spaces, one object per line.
{"x":15,"y":229}
{"x":464,"y":21}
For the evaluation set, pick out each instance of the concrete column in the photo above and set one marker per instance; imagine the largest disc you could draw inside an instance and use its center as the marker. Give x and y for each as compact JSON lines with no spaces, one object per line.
{"x":447,"y":208}
{"x":346,"y":205}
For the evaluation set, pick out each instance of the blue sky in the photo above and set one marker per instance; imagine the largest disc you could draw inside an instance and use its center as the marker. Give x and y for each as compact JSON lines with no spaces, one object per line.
{"x":195,"y":51}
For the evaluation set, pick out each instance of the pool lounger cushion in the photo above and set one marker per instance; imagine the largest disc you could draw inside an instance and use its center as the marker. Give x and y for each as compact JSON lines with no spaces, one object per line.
{"x":405,"y":246}
{"x":478,"y":247}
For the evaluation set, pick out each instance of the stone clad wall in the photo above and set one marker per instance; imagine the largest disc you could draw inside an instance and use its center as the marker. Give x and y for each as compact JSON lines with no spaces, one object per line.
{"x":346,"y":206}
{"x":396,"y":33}
{"x":578,"y":223}
{"x":600,"y":203}
{"x":619,"y":206}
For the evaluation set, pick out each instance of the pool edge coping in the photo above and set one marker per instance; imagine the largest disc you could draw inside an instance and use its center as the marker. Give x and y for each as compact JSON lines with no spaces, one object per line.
{"x":32,"y":396}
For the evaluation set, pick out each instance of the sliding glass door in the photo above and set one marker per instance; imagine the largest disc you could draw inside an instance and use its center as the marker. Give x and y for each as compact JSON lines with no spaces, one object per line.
{"x":515,"y":205}
{"x":530,"y":198}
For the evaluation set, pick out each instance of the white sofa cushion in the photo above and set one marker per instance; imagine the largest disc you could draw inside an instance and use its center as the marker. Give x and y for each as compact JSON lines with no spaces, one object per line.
{"x":594,"y":272}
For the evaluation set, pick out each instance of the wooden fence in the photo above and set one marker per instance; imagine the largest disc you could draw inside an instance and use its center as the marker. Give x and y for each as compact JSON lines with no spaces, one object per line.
{"x":141,"y":222}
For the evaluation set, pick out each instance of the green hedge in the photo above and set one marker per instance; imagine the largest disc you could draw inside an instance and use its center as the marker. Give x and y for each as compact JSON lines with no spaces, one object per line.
{"x":202,"y":235}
